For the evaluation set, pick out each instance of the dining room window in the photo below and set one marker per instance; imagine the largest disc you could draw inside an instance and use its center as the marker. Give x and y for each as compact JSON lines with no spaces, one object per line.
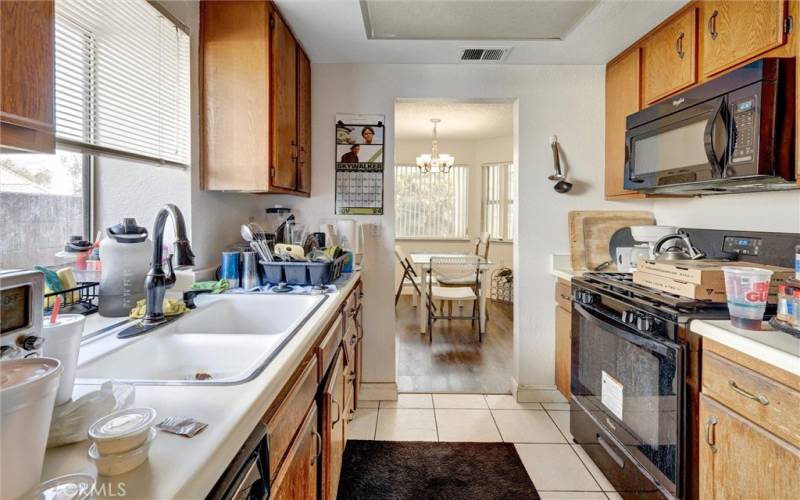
{"x":431,"y":205}
{"x":498,"y":200}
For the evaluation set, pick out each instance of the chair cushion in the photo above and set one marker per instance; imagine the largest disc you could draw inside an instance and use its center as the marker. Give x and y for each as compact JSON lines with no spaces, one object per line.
{"x":453,"y":293}
{"x":468,"y":280}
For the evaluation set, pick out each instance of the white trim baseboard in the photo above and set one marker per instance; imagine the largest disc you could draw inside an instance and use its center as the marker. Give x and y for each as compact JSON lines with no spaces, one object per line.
{"x":536,"y":393}
{"x":378,"y":391}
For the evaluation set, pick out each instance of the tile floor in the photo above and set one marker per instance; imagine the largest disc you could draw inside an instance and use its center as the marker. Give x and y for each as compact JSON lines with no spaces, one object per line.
{"x":539,"y":430}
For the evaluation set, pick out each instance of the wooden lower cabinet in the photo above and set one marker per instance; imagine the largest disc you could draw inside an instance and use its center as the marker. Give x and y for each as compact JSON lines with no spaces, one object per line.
{"x":739,"y":459}
{"x":332,"y":424}
{"x":297,"y":479}
{"x":563,"y":350}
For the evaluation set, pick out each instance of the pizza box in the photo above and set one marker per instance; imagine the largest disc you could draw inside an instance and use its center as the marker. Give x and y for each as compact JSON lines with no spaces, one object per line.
{"x":708,"y":273}
{"x":688,"y":290}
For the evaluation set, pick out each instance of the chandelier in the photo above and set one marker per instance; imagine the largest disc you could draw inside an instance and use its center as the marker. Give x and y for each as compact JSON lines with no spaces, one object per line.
{"x":435,"y":162}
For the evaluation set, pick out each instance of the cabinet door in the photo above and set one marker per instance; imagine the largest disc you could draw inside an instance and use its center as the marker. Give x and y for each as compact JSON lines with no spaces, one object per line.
{"x":622,"y":99}
{"x":563,"y":351}
{"x":283,"y":173}
{"x":297,"y":479}
{"x":670,"y":62}
{"x":303,"y":122}
{"x":27,"y":119}
{"x":734,"y":32}
{"x":332,"y":427}
{"x":739,"y":459}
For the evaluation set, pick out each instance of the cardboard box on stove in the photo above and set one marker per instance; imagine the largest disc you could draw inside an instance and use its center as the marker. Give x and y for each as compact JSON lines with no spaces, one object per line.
{"x":699,"y":279}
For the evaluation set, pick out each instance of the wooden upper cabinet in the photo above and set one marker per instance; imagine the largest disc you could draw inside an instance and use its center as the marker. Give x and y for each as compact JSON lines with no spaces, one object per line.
{"x":670,"y":57}
{"x":739,"y":459}
{"x":284,"y":104}
{"x":27,"y":66}
{"x":622,"y":99}
{"x":303,"y":121}
{"x":252,"y":100}
{"x":736,"y":31}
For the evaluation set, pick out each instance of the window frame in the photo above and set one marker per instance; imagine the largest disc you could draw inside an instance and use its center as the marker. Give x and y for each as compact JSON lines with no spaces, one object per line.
{"x":505,"y":201}
{"x":465,"y":235}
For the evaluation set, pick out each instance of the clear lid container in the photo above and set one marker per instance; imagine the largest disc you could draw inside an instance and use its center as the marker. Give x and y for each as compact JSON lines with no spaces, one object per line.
{"x":69,"y":487}
{"x":123,"y":424}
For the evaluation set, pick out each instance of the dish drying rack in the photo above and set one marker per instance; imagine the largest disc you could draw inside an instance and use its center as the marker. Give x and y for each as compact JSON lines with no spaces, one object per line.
{"x":81,"y":299}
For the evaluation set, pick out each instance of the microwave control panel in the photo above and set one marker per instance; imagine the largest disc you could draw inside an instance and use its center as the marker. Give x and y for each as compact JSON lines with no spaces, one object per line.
{"x":745,"y":126}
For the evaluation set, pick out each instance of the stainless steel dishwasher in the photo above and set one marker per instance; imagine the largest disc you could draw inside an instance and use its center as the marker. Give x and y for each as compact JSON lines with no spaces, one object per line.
{"x":247,"y":477}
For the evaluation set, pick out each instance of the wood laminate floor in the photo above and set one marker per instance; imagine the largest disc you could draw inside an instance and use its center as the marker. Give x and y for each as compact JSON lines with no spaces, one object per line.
{"x":455,"y":362}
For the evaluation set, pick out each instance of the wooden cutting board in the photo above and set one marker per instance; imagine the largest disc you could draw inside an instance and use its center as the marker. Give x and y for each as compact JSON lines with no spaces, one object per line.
{"x":591,"y":230}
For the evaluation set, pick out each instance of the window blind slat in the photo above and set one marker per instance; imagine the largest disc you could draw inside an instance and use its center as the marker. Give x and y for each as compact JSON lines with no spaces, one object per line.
{"x":122,"y":80}
{"x":431,"y":205}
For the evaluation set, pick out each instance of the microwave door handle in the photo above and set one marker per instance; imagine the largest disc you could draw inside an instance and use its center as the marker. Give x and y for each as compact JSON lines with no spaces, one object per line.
{"x":714,"y":158}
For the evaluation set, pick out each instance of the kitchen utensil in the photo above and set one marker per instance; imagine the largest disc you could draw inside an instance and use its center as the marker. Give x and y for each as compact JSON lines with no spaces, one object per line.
{"x":69,"y":487}
{"x":747,"y":291}
{"x":561,"y":185}
{"x":28,"y":390}
{"x":623,"y":259}
{"x":680,"y":248}
{"x":122,"y":431}
{"x":276,"y":219}
{"x":62,"y":341}
{"x":590,"y":232}
{"x":621,"y":238}
{"x":651,"y":234}
{"x":295,"y":251}
{"x":120,"y":463}
{"x":249,"y":271}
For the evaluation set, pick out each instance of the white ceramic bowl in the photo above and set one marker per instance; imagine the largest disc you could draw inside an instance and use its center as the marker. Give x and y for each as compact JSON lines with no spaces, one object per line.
{"x":651,"y":234}
{"x":120,"y":463}
{"x":122,"y":431}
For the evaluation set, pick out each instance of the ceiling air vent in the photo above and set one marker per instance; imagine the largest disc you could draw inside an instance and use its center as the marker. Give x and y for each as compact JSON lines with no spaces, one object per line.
{"x":484,"y":55}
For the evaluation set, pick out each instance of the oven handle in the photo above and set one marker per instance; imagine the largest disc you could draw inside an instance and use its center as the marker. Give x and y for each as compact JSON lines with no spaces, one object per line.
{"x":611,"y":453}
{"x":708,"y":138}
{"x":622,"y":330}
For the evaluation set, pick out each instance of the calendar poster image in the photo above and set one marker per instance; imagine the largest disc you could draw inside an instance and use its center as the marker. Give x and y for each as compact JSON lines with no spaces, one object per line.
{"x":359,"y":164}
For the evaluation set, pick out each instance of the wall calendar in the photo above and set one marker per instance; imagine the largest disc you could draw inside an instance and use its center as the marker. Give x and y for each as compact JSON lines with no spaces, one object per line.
{"x":359,"y":164}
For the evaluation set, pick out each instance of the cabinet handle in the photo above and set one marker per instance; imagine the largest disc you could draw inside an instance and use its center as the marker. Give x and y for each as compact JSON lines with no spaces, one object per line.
{"x":712,"y":25}
{"x":350,"y":418}
{"x":352,"y":377}
{"x":679,"y":45}
{"x":710,"y":438}
{"x":318,"y":442}
{"x":294,"y":151}
{"x":749,"y":395}
{"x":565,"y":297}
{"x":338,"y":411}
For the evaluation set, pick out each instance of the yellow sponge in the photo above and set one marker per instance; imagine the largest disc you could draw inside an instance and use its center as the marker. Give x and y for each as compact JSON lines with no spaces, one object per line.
{"x":172,"y":307}
{"x":67,"y":279}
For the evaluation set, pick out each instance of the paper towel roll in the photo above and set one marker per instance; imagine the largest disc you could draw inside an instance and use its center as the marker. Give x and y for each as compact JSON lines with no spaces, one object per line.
{"x":350,"y":235}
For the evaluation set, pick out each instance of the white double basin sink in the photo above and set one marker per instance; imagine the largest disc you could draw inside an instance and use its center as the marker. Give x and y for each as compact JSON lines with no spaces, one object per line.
{"x":228,"y":339}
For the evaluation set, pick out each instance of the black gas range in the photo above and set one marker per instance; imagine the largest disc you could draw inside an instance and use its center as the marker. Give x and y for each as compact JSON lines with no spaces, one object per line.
{"x":636,"y":382}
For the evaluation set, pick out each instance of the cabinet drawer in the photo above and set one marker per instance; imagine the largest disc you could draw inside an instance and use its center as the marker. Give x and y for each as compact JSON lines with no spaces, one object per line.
{"x":326,"y":350}
{"x":288,"y":418}
{"x":762,"y":400}
{"x":564,"y":295}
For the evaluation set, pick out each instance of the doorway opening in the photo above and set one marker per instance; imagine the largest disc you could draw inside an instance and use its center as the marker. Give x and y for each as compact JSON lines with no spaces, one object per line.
{"x":455,"y":184}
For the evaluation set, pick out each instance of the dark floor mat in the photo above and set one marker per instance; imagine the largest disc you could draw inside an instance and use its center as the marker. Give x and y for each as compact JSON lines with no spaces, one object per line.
{"x":392,"y":470}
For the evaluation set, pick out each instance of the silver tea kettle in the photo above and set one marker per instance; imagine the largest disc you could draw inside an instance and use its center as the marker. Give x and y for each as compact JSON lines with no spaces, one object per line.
{"x":680,"y":248}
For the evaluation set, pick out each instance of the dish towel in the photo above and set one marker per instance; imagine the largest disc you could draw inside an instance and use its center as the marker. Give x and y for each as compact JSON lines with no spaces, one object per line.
{"x":214,"y":286}
{"x":172,"y":307}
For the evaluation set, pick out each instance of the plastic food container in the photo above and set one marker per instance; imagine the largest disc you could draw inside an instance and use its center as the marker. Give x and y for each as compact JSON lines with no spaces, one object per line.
{"x":69,"y":487}
{"x":122,"y":431}
{"x":62,"y":341}
{"x":747,"y":291}
{"x":27,"y":397}
{"x":120,"y":463}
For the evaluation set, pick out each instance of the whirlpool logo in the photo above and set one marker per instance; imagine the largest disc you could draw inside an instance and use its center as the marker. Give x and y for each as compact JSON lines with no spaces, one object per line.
{"x":678,"y":102}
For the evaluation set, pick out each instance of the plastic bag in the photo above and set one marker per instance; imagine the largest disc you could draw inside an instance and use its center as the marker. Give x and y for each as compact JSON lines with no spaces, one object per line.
{"x":71,"y":421}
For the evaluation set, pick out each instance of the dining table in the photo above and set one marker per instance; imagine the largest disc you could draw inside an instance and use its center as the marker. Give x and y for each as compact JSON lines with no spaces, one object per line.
{"x":422,"y":261}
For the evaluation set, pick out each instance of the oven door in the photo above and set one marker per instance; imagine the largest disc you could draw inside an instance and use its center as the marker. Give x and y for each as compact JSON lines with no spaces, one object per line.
{"x":681,"y":148}
{"x":633,"y":386}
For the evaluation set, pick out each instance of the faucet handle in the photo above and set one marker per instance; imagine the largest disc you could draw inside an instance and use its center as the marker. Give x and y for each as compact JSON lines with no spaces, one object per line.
{"x":170,"y":274}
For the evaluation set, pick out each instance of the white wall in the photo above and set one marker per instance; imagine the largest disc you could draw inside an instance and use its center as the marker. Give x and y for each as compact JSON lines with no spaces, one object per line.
{"x":562,"y":100}
{"x":746,"y":212}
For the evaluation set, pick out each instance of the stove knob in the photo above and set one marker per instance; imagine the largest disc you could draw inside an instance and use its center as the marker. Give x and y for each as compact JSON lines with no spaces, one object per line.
{"x":590,"y":298}
{"x":645,"y":323}
{"x":628,"y":317}
{"x":30,"y":342}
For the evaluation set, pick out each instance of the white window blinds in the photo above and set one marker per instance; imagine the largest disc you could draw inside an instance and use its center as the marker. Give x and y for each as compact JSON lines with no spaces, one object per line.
{"x":431,"y":205}
{"x":122,"y":80}
{"x":498,"y":200}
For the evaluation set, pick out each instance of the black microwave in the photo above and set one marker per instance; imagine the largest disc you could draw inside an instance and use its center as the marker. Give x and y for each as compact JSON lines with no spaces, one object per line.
{"x":734,"y":133}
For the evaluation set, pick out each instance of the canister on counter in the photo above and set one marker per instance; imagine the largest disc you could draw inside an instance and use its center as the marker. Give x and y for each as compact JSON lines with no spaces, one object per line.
{"x":785,"y":303}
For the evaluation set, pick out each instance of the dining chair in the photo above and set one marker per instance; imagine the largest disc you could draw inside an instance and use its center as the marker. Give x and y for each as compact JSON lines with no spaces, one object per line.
{"x":484,"y":241}
{"x":481,"y":250}
{"x":456,"y":269}
{"x":410,"y":276}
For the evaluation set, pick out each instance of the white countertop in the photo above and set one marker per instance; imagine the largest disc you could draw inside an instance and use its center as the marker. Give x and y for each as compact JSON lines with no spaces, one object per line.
{"x":180,"y":467}
{"x":768,"y":345}
{"x":561,"y":267}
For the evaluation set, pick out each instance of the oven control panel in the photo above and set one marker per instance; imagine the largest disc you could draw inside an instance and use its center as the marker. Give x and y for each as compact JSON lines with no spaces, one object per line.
{"x":741,"y":245}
